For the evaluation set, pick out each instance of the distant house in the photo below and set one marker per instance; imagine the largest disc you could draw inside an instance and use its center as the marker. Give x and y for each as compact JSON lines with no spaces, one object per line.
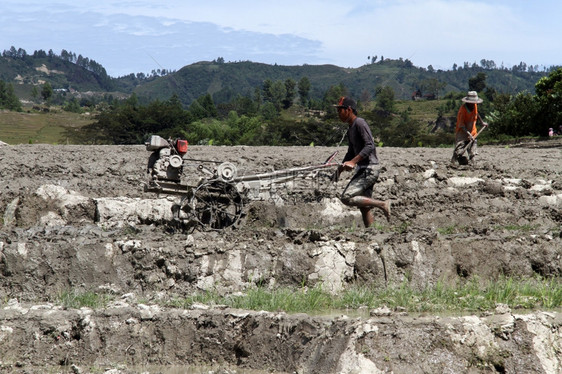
{"x":417,"y":95}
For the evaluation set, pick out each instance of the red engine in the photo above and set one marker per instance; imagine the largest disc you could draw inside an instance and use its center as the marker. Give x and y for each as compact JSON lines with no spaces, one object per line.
{"x":166,"y":160}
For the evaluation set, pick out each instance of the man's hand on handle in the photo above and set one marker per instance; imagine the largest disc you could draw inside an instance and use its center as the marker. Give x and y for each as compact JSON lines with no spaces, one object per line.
{"x":348,"y":165}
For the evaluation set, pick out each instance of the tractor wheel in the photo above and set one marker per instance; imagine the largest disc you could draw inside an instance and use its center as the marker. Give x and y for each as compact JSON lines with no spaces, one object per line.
{"x":215,"y":205}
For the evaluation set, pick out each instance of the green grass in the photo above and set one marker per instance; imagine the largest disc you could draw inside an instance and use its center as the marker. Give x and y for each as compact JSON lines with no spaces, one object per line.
{"x":471,"y":296}
{"x":32,"y":127}
{"x":300,"y":300}
{"x":424,"y":110}
{"x":448,"y":230}
{"x":76,"y":300}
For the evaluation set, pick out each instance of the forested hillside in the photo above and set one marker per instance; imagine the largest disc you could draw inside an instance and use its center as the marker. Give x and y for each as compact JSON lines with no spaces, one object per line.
{"x":62,"y":71}
{"x":224,"y":81}
{"x":260,"y":104}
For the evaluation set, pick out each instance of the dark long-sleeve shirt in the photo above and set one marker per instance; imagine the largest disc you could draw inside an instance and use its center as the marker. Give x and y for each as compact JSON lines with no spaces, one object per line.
{"x":361,"y":142}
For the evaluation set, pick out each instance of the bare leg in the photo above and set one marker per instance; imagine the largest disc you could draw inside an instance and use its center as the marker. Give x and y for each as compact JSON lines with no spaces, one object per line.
{"x":366,"y":202}
{"x":368,"y":218}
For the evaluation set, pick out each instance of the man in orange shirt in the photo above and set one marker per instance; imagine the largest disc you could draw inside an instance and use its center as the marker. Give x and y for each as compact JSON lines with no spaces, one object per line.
{"x":465,"y":131}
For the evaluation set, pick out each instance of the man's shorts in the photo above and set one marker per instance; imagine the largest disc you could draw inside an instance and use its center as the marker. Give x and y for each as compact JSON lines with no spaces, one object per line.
{"x":362,"y":183}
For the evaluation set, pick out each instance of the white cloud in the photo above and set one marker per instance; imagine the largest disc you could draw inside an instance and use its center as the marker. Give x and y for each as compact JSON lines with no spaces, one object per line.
{"x":122,"y":34}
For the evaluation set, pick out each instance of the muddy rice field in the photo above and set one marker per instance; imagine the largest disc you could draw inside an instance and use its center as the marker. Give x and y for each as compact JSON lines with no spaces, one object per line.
{"x":77,"y":218}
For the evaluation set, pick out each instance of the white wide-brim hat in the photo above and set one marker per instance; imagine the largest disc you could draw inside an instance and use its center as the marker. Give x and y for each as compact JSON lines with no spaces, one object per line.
{"x":472,"y":98}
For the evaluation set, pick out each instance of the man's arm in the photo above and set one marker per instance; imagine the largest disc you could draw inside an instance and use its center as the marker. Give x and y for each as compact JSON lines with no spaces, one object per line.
{"x":349,"y":165}
{"x":485,"y":124}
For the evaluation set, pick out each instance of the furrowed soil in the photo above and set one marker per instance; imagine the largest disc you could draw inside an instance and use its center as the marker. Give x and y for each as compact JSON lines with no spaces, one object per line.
{"x":76,"y":219}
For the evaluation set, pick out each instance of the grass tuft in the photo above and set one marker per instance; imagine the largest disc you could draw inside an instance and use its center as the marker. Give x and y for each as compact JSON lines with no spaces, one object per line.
{"x":470,"y":296}
{"x":76,"y":300}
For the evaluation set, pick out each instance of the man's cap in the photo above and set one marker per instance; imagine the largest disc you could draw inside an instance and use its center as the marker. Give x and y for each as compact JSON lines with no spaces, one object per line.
{"x":472,"y":98}
{"x":346,"y":102}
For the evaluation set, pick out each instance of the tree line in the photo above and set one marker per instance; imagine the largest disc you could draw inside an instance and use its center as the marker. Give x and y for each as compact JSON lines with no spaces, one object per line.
{"x":281,"y":113}
{"x":526,"y":114}
{"x":252,"y":120}
{"x":483,"y":64}
{"x":290,"y":112}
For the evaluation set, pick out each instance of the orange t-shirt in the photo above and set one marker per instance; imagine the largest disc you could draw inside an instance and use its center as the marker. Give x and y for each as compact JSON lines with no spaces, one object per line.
{"x":467,"y":119}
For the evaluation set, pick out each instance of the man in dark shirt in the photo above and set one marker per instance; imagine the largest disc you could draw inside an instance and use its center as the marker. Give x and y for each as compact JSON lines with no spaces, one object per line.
{"x":362,"y":155}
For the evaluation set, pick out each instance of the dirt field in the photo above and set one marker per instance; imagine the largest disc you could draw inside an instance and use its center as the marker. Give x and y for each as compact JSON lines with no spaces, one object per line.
{"x":76,"y":218}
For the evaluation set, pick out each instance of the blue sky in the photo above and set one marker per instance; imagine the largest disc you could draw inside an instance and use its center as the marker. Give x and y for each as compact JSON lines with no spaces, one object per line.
{"x":132,"y":36}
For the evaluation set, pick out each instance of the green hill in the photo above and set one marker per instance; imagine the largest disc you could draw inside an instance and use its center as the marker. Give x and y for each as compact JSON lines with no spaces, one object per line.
{"x":61,"y":74}
{"x":82,"y":93}
{"x":224,"y":81}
